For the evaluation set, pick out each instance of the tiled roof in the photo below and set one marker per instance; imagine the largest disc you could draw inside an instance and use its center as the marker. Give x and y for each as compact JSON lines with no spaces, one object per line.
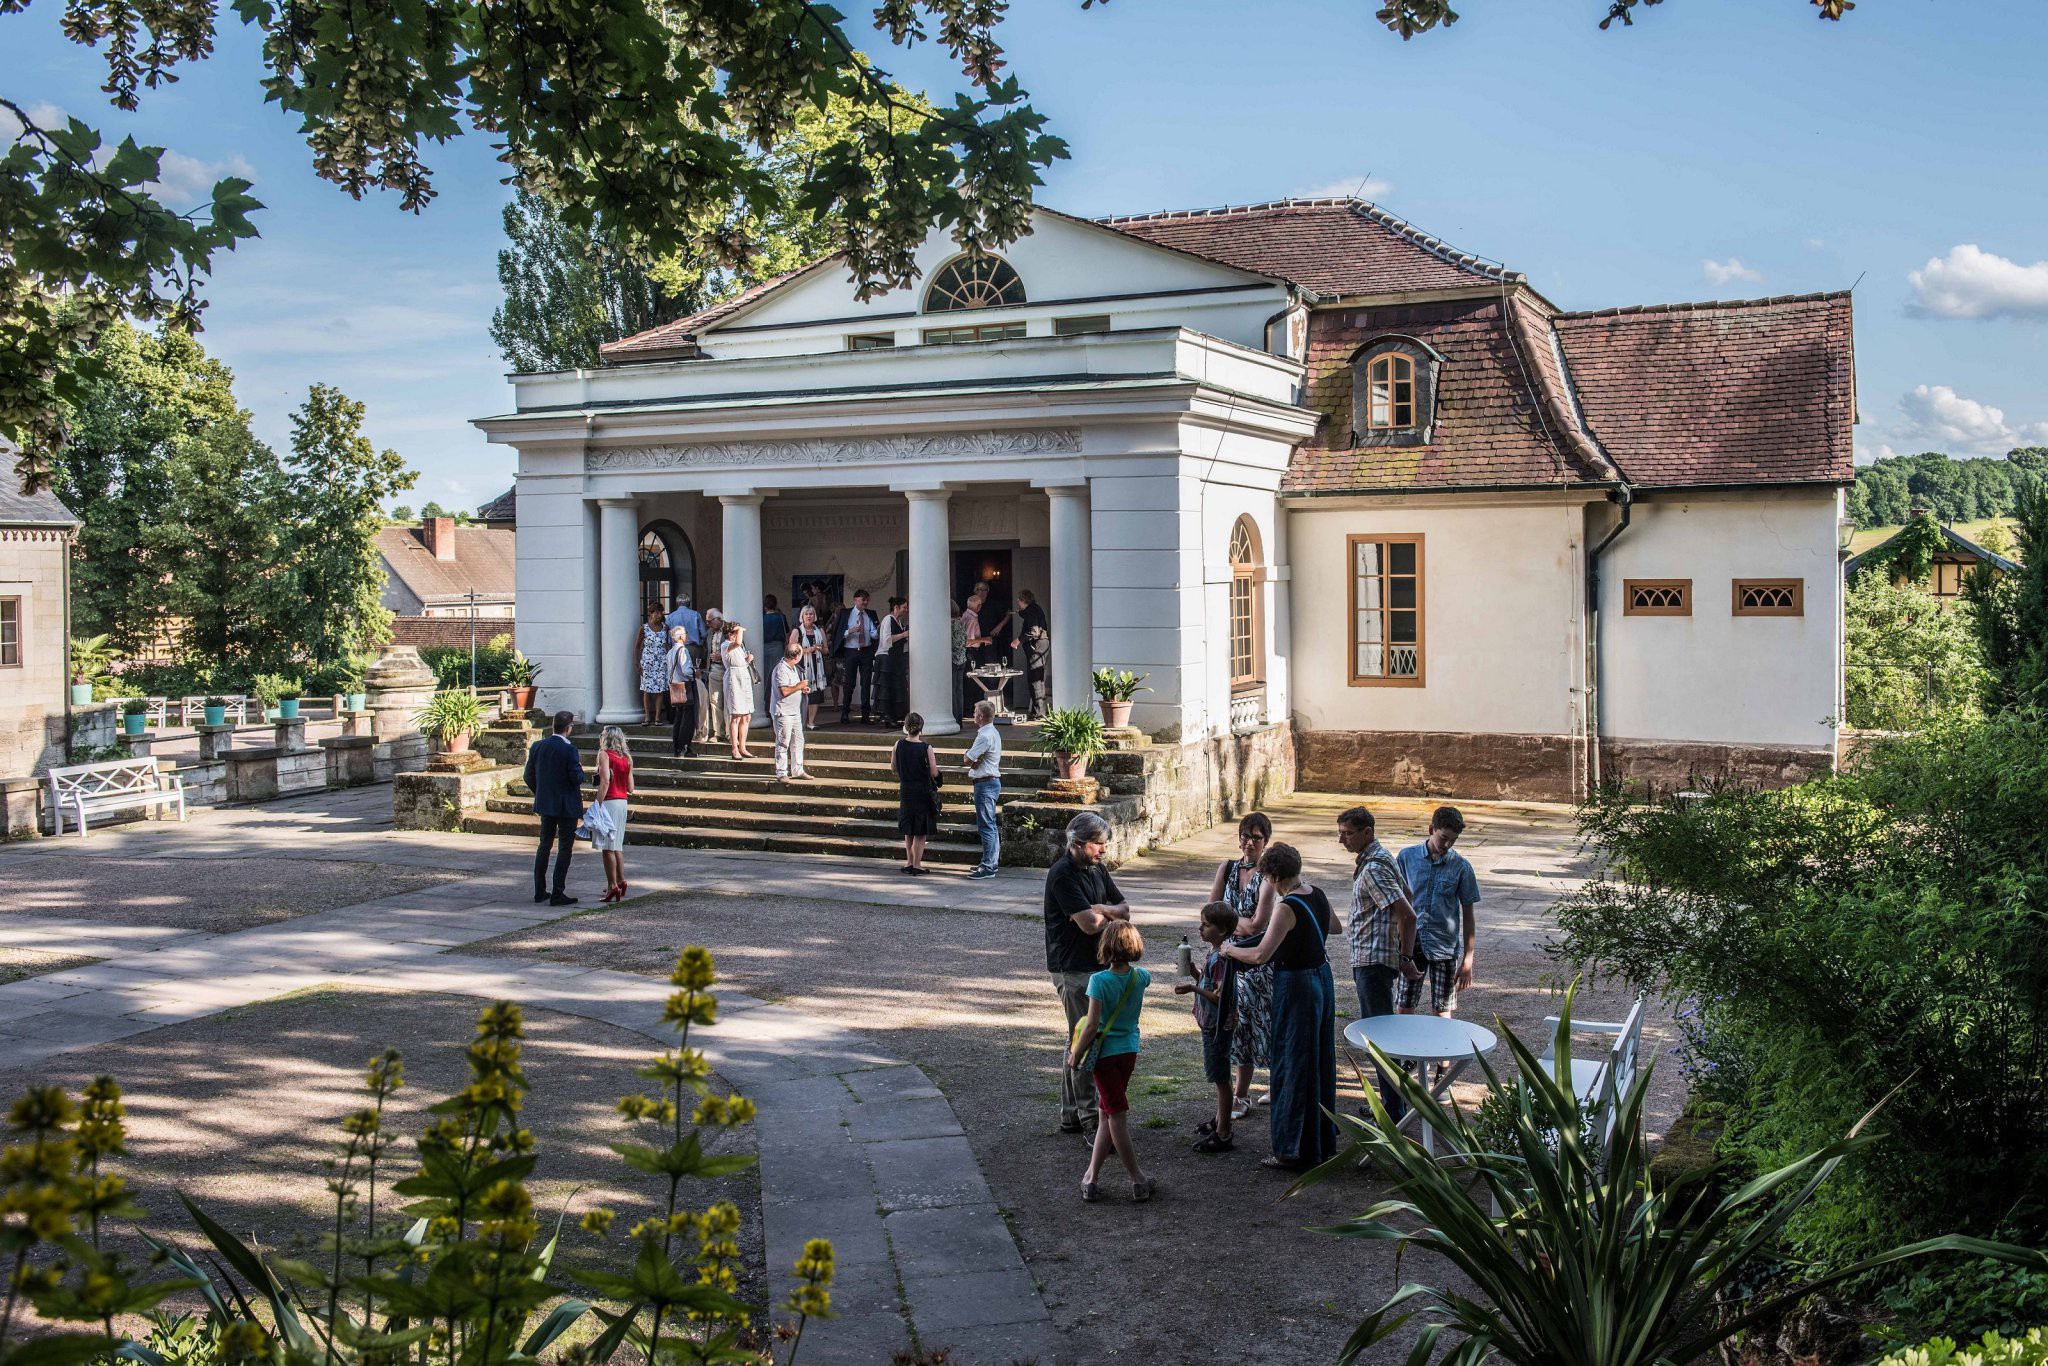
{"x":503,"y":508}
{"x":29,"y":509}
{"x":678,"y":340}
{"x":1331,"y":247}
{"x":1502,"y":418}
{"x":1761,"y":391}
{"x":483,"y":561}
{"x":1962,"y":543}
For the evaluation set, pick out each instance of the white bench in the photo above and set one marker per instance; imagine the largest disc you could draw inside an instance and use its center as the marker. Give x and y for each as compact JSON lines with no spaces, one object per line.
{"x":1604,"y":1080}
{"x":116,"y":785}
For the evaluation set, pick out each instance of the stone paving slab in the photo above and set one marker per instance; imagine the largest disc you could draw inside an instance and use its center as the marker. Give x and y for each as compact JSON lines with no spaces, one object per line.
{"x":952,"y":1241}
{"x":926,"y":1173}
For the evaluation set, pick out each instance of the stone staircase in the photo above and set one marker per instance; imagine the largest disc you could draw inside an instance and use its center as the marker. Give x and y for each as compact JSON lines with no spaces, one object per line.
{"x":848,"y":807}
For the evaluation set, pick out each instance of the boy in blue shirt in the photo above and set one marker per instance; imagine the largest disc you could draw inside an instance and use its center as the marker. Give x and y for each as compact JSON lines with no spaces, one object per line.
{"x":1443,"y":890}
{"x":1216,"y":1012}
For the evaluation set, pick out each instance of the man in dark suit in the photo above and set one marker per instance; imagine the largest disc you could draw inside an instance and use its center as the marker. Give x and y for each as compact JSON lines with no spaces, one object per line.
{"x":554,"y":775}
{"x":855,"y":631}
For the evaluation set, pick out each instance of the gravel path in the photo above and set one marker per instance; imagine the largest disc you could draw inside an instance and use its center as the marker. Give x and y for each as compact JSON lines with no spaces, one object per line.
{"x":215,"y":895}
{"x":17,"y":964}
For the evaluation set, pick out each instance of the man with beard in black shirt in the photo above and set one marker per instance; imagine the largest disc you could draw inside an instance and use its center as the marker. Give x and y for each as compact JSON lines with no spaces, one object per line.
{"x":1080,"y":898}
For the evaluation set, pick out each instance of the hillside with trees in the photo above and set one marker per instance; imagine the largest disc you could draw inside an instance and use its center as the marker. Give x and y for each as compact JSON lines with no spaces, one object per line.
{"x":1970,"y":490}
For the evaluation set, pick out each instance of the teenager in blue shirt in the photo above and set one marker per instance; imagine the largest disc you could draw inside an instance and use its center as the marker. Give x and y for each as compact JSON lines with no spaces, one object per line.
{"x":1443,"y":889}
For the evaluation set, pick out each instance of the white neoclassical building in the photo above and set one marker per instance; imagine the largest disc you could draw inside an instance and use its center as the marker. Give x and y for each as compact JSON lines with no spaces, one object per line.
{"x":1362,"y":507}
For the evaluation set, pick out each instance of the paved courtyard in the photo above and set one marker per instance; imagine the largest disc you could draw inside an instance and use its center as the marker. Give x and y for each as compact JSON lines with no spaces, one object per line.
{"x":898,"y":1034}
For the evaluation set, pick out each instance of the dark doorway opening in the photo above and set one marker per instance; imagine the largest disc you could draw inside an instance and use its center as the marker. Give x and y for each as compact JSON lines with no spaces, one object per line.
{"x":991,"y":567}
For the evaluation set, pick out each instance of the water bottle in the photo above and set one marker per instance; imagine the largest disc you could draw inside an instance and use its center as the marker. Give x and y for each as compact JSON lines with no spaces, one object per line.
{"x":1187,"y":958}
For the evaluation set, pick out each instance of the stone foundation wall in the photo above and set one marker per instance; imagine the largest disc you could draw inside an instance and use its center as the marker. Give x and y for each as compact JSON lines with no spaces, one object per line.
{"x":1192,"y":786}
{"x":1540,"y":768}
{"x":438,"y":799}
{"x":1658,"y":766}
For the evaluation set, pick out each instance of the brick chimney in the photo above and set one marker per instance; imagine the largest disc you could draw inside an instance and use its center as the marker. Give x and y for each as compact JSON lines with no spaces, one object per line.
{"x":438,"y":535}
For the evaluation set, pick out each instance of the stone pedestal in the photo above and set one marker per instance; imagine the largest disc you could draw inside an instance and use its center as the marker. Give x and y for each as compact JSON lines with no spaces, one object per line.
{"x":94,"y":726}
{"x":215,"y":741}
{"x":351,"y":760}
{"x":508,"y":740}
{"x":140,"y":745}
{"x":1125,"y":737}
{"x":291,"y":734}
{"x":400,"y":685}
{"x":1071,"y":791}
{"x":355,"y":723}
{"x":439,"y":799}
{"x":19,"y":798}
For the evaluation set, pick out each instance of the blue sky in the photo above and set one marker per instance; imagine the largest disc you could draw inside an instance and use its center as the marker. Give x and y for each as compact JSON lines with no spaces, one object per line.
{"x":1719,"y":149}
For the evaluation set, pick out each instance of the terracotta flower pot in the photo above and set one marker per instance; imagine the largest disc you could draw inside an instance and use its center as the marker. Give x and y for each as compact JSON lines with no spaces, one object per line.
{"x":457,"y":744}
{"x":522,"y":698}
{"x":1071,"y":765}
{"x":1114,"y":713}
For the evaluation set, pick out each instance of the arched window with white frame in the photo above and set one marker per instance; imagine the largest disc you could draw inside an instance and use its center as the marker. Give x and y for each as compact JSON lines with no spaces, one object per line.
{"x":1247,"y":613}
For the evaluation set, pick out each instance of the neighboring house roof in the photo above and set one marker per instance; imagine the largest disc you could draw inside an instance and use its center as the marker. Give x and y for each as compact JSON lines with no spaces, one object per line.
{"x":30,"y":509}
{"x":1759,"y":391}
{"x":483,"y":561}
{"x":503,"y":508}
{"x":1962,"y":544}
{"x":1330,"y":247}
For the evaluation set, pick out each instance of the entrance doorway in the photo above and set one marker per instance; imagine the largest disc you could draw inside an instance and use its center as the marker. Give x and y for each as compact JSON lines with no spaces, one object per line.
{"x":992,"y":567}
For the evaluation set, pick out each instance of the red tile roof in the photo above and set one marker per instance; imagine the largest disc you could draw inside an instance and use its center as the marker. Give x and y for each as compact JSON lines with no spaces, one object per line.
{"x":1761,"y":391}
{"x":1331,"y":247}
{"x":678,"y":340}
{"x":484,"y":561}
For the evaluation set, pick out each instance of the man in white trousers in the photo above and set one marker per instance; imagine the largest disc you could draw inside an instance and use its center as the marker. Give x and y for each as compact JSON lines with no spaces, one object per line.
{"x":787,"y":688}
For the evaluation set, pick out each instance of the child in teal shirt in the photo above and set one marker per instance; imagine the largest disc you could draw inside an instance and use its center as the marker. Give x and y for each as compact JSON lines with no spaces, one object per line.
{"x":1115,"y":995}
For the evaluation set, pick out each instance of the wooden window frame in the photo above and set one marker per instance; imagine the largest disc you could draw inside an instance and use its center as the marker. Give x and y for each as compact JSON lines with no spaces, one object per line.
{"x":1086,"y":325}
{"x":871,"y":341}
{"x":968,"y":282}
{"x":1400,"y":370}
{"x":1797,"y":609}
{"x":1629,"y":607}
{"x":1249,"y":574}
{"x":1358,"y":680}
{"x":20,"y":659}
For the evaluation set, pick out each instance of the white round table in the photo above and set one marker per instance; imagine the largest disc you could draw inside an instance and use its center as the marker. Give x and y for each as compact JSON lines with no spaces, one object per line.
{"x":1424,"y":1039}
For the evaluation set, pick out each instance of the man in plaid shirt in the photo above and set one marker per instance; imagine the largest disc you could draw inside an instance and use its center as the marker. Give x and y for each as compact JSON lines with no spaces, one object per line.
{"x":1382,"y":926}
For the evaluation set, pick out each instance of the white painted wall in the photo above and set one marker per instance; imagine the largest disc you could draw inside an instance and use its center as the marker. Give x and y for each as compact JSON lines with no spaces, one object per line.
{"x":1501,"y":589}
{"x":1715,"y":677}
{"x":556,"y":576}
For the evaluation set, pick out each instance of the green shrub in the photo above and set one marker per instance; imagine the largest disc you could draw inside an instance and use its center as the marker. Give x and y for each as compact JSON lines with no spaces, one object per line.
{"x":1885,"y":928}
{"x":450,"y":663}
{"x":1991,"y":1350}
{"x":1072,"y":731}
{"x":1908,"y":658}
{"x":1968,"y":1300}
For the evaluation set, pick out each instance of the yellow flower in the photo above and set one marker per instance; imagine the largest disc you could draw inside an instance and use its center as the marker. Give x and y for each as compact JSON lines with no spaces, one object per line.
{"x":242,"y":1340}
{"x":817,"y":1262}
{"x":693,"y":969}
{"x":598,"y":1220}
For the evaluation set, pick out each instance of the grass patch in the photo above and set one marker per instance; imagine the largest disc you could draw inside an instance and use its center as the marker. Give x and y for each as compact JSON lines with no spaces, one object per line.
{"x":18,"y":965}
{"x":1156,"y":1122}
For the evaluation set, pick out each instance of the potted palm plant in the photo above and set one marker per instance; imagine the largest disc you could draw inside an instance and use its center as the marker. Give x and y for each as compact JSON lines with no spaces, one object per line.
{"x":520,"y":673}
{"x":91,"y":658}
{"x":451,"y":717}
{"x":1072,"y":736}
{"x":135,"y":716}
{"x":1114,"y":689}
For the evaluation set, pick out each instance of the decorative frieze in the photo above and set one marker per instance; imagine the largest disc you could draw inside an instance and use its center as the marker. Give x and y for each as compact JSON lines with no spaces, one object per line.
{"x":861,"y":450}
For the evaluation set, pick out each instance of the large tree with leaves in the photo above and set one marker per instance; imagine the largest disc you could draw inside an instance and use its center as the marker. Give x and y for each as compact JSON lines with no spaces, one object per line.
{"x":337,"y":484}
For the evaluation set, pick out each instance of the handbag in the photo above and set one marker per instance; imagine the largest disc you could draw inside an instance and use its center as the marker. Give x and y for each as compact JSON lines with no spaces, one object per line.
{"x":1094,"y":1054}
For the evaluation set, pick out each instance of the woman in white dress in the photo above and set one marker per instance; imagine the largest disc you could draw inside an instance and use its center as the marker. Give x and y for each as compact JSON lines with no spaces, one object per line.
{"x":739,"y":688}
{"x":810,"y":638}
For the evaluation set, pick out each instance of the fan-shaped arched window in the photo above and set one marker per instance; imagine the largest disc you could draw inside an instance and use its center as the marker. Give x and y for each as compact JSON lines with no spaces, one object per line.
{"x":1247,"y":648}
{"x":973,"y":282}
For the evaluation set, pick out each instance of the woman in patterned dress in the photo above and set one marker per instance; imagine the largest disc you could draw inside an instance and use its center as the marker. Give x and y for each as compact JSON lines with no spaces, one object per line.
{"x":810,"y":638}
{"x":653,"y":654}
{"x":1239,"y":885}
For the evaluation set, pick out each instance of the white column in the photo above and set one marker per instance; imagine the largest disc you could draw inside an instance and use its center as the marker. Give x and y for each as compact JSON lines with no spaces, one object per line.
{"x":742,"y":579}
{"x":931,"y":616}
{"x":618,"y":609}
{"x":1073,"y":597}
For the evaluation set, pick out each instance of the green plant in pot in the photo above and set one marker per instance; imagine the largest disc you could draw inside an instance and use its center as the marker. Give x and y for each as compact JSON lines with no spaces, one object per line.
{"x":91,"y":661}
{"x":521,"y":674}
{"x":216,"y":711}
{"x":288,"y":701}
{"x":134,"y":716}
{"x":1114,"y":689}
{"x":354,"y":683}
{"x":1072,"y":736}
{"x":267,"y":689}
{"x":451,"y":718}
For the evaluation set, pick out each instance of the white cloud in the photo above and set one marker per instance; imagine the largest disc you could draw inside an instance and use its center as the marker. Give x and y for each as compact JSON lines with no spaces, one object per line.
{"x":44,"y":116}
{"x":1724,"y":272}
{"x":1970,"y":282}
{"x":1939,"y":418}
{"x":185,"y":178}
{"x":1357,"y":187}
{"x":1816,"y":242}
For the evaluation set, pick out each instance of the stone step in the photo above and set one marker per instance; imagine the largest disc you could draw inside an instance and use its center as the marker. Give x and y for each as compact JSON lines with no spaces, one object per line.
{"x":491,"y":822}
{"x":793,"y":802}
{"x":723,"y":772}
{"x":841,"y":746}
{"x":950,"y":830}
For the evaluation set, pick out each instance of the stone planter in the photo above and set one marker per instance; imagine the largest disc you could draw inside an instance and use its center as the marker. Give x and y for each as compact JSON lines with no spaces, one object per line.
{"x":1115,"y":713}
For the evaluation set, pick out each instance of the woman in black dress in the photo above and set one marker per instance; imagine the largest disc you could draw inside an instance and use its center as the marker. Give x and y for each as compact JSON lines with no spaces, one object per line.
{"x":917,"y":771}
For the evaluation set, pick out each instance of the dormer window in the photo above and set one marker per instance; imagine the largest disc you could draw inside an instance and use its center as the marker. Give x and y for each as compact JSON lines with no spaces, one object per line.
{"x":973,"y":282}
{"x":1390,"y":393}
{"x":1393,"y":392}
